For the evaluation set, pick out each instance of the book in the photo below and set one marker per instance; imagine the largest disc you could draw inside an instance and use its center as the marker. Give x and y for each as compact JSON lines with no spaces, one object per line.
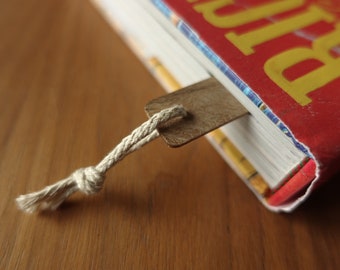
{"x":279,"y":59}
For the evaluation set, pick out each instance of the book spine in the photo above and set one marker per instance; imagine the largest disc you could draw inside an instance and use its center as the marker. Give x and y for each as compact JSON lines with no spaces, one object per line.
{"x":296,"y":184}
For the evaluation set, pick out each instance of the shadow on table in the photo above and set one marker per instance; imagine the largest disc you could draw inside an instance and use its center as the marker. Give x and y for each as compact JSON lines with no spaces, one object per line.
{"x":320,"y":210}
{"x":323,"y":207}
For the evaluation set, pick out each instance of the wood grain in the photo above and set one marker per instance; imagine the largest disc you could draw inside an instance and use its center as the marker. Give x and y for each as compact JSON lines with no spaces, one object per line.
{"x":69,"y":91}
{"x":209,"y":106}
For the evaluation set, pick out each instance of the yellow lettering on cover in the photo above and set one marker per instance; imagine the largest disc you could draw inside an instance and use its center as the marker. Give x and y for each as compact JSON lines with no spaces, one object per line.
{"x":208,"y":10}
{"x":246,"y":42}
{"x":313,"y":80}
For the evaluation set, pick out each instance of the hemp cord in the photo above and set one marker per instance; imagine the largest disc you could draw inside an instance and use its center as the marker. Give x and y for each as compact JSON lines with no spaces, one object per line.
{"x":90,"y":180}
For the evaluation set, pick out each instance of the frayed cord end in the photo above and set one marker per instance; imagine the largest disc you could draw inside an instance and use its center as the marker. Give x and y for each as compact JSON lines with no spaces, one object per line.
{"x":88,"y":180}
{"x":48,"y":198}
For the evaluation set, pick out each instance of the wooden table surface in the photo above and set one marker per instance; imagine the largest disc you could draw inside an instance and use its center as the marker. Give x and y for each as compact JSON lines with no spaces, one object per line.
{"x":69,"y":91}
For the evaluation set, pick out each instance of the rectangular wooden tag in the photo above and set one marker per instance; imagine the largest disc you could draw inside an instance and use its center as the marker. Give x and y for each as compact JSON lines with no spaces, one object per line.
{"x":209,"y":104}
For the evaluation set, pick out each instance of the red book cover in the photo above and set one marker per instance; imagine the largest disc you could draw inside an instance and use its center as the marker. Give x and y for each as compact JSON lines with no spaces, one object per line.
{"x":286,"y":53}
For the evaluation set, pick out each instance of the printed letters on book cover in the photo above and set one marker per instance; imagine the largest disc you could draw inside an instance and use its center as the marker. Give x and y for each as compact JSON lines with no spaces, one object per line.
{"x":284,"y":55}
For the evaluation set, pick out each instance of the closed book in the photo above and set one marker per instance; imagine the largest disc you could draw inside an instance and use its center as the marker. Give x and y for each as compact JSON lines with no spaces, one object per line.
{"x":279,"y":59}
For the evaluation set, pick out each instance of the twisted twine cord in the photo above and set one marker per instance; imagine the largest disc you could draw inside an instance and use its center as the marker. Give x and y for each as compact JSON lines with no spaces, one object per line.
{"x":90,"y":180}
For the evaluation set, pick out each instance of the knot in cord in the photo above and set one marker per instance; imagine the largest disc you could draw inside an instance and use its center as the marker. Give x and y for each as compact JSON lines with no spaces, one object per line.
{"x":89,"y":180}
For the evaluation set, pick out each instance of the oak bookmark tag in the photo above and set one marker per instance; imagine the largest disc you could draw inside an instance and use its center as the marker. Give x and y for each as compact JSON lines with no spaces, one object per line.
{"x":209,"y":105}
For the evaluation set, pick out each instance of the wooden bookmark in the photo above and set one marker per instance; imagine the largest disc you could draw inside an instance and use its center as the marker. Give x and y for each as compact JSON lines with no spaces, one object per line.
{"x":209,"y":105}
